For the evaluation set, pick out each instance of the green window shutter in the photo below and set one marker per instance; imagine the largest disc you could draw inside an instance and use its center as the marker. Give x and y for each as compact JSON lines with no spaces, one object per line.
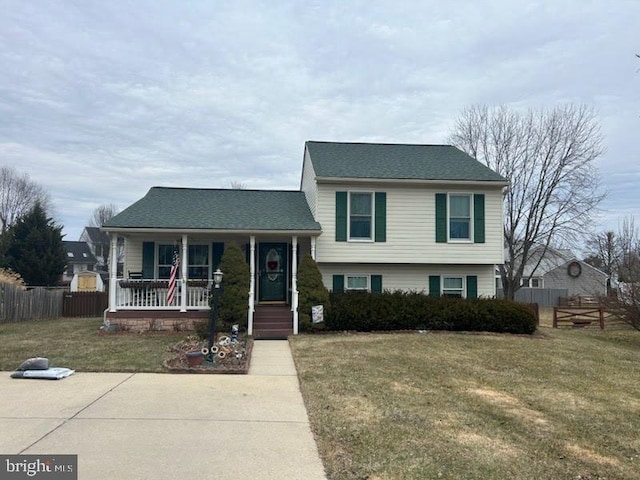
{"x":341,"y":216}
{"x":381,"y":217}
{"x":478,"y":218}
{"x":338,"y":283}
{"x":148,"y":259}
{"x":217,"y":249}
{"x":434,"y":285}
{"x":472,"y":286}
{"x":441,"y":218}
{"x":376,"y":283}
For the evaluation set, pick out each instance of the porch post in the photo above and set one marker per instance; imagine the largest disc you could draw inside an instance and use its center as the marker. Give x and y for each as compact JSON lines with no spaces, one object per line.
{"x":313,"y":247}
{"x":183,"y":275}
{"x":294,"y":282}
{"x":113,"y":272}
{"x":252,"y":283}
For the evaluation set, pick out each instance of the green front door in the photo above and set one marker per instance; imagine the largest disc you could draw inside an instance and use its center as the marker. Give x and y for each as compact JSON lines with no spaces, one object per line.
{"x":272,"y":272}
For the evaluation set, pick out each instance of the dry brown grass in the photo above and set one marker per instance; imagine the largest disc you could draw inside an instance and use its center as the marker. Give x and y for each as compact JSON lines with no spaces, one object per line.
{"x":76,"y":343}
{"x":563,"y":404}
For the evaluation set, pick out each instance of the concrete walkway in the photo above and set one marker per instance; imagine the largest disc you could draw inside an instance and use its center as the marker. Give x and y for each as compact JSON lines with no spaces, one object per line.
{"x":168,"y":426}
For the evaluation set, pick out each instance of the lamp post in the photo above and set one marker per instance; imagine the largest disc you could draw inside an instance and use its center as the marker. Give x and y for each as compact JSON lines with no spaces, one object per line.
{"x":217,"y":280}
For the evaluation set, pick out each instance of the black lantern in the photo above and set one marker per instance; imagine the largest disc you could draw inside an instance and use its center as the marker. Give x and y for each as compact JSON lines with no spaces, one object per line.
{"x":217,"y":281}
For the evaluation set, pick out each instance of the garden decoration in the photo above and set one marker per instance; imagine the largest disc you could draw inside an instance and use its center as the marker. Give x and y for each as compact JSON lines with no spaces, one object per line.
{"x":217,"y":280}
{"x":234,"y":333}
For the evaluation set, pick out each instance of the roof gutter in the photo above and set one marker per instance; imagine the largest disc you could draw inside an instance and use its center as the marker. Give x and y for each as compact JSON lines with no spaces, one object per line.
{"x":209,"y":231}
{"x":412,"y":181}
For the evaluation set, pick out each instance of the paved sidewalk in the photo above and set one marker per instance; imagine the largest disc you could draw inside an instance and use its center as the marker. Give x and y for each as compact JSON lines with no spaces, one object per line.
{"x":168,"y":426}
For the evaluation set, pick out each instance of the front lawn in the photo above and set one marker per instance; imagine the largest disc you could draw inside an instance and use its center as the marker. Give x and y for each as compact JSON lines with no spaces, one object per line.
{"x":562,"y":404}
{"x":75,"y":343}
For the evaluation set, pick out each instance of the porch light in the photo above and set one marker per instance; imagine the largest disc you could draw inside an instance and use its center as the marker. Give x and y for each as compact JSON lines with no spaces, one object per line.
{"x":217,"y":278}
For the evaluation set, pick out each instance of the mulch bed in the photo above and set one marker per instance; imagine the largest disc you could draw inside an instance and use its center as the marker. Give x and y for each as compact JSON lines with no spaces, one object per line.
{"x":236,"y":360}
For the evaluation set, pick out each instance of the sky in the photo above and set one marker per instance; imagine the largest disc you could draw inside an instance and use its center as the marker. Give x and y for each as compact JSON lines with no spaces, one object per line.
{"x":101,"y":100}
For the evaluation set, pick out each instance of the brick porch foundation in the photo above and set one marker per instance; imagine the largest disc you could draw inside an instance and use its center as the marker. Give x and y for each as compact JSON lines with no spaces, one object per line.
{"x":158,"y":320}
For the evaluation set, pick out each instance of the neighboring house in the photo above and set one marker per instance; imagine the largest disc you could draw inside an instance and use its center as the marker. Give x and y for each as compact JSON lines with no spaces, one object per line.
{"x":374,"y":216}
{"x":560,"y":269}
{"x":79,"y":259}
{"x":99,"y":244}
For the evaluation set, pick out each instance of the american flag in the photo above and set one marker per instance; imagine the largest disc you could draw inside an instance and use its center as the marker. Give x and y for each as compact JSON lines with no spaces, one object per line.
{"x":171,"y":293}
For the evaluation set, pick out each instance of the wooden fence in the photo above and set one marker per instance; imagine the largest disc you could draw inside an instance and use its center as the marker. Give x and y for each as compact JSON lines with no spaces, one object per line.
{"x":578,"y":316}
{"x":84,"y":304}
{"x":17,"y":304}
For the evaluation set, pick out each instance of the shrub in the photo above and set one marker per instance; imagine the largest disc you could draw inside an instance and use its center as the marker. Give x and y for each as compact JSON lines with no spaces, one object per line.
{"x":12,"y":278}
{"x":399,"y":310}
{"x":311,"y":292}
{"x":234,"y":298}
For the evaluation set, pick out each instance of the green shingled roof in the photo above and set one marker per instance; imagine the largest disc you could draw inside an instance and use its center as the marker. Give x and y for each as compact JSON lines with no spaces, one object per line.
{"x":195,"y":208}
{"x":396,"y":161}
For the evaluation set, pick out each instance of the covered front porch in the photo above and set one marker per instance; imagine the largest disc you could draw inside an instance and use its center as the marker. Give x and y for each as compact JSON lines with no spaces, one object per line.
{"x":142,"y":296}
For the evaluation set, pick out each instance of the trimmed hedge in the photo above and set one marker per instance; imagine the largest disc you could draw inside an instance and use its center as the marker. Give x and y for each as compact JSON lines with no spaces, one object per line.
{"x":366,"y":312}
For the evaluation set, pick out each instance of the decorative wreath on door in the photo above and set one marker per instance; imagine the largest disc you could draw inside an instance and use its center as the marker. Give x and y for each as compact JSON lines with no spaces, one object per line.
{"x":272,"y":264}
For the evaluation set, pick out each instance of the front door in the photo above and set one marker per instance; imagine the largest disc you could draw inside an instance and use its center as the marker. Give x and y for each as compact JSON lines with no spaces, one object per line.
{"x":272,"y":272}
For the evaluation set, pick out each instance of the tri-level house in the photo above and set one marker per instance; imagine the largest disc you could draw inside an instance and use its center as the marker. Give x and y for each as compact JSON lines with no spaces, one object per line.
{"x":374,"y":217}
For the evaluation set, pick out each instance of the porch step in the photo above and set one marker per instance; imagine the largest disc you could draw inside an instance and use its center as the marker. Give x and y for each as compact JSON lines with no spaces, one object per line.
{"x":271,"y":322}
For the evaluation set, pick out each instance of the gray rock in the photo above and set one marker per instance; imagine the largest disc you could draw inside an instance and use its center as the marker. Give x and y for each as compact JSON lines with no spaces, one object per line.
{"x":36,"y":363}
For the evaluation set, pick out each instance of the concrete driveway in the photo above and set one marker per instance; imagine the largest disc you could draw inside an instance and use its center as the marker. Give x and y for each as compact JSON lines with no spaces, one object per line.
{"x":168,"y":426}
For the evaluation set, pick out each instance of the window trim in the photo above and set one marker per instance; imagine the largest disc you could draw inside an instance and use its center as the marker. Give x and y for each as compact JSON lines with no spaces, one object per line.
{"x":357,"y":275}
{"x":463,"y":290}
{"x":372,"y":216}
{"x":469,"y":196}
{"x":527,"y":282}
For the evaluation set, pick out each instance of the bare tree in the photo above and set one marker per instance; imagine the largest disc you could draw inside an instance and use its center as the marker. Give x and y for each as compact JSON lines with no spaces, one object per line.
{"x":18,"y":195}
{"x":99,"y":217}
{"x":548,"y":156}
{"x":237,"y":185}
{"x":626,"y":304}
{"x":604,"y":253}
{"x":102,"y":214}
{"x":629,"y":246}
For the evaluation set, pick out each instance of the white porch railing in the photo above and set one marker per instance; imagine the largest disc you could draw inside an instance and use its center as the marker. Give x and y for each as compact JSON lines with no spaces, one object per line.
{"x":152,"y":295}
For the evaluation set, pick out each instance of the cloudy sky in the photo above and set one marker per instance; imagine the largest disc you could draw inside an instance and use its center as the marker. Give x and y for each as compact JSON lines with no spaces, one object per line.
{"x":100,"y":100}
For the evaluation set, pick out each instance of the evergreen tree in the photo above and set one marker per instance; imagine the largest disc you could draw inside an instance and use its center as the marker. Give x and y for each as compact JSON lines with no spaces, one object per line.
{"x":311,"y":291}
{"x":35,"y":249}
{"x":234,"y":299}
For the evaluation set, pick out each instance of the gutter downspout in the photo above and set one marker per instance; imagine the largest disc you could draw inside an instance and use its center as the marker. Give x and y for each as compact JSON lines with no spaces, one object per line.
{"x":252,"y":283}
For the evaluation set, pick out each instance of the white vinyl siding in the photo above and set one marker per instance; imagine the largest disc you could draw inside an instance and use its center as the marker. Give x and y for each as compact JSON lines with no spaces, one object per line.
{"x":308,"y":184}
{"x":412,"y":277}
{"x":410,"y":230}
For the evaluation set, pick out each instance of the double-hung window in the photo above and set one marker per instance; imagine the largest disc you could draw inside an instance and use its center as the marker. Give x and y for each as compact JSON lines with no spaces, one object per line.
{"x":360,"y":216}
{"x":459,"y":217}
{"x":452,"y":287}
{"x":165,"y":259}
{"x":533,"y":282}
{"x":199,"y":262}
{"x":357,"y":282}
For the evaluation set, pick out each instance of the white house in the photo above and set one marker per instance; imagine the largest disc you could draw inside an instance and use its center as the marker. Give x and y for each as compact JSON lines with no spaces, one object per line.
{"x":374,"y":216}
